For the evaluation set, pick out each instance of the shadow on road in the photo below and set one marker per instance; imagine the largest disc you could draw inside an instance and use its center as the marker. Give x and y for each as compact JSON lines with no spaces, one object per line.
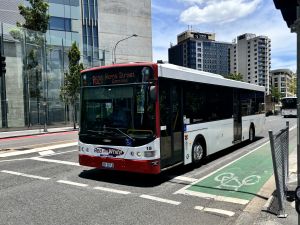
{"x":144,"y":180}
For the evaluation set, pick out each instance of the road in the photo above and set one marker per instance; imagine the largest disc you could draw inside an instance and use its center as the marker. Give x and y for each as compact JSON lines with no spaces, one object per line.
{"x":54,"y":189}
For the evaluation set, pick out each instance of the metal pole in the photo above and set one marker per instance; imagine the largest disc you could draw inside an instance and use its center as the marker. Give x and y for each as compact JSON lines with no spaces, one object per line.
{"x":298,"y":99}
{"x":115,"y":47}
{"x":45,"y":84}
{"x":3,"y":86}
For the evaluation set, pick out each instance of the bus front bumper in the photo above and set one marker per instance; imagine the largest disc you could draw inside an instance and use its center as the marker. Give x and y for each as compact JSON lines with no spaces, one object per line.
{"x":135,"y":166}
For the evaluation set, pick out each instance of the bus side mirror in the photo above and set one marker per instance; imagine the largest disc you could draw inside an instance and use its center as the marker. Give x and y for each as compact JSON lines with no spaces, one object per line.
{"x":152,"y":94}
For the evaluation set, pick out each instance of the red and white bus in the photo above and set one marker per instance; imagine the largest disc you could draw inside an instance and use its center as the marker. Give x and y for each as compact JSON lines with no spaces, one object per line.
{"x":147,"y":117}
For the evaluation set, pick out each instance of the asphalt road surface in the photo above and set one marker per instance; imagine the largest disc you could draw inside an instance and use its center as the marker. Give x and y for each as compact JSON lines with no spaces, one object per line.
{"x":53,"y":189}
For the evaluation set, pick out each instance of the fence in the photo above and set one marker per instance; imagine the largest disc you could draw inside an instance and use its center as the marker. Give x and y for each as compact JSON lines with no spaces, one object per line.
{"x":280,"y":156}
{"x":35,"y":68}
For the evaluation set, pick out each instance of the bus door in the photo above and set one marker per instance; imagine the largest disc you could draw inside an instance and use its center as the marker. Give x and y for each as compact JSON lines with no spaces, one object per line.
{"x":171,"y":124}
{"x":237,"y":116}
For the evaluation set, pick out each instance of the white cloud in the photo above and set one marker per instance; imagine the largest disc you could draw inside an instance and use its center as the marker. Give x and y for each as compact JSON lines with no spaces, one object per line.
{"x":192,"y":2}
{"x":221,"y":11}
{"x":265,"y":20}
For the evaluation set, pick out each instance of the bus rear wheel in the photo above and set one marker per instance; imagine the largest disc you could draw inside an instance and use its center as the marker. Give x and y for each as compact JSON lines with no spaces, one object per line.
{"x":198,"y":152}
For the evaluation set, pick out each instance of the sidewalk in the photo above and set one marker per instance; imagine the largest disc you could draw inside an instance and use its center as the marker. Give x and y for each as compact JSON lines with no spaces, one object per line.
{"x":10,"y":134}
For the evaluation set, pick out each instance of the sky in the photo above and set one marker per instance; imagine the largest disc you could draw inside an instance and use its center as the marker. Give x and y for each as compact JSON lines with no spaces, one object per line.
{"x":227,"y":19}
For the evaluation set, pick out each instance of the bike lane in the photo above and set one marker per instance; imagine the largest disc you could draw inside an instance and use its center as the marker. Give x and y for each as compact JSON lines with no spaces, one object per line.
{"x":239,"y":181}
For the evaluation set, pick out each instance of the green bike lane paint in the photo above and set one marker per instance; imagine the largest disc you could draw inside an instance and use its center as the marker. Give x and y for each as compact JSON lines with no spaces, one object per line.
{"x":239,"y":181}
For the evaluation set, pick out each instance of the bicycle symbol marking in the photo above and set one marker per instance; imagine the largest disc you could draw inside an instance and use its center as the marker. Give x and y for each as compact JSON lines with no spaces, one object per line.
{"x":229,"y":180}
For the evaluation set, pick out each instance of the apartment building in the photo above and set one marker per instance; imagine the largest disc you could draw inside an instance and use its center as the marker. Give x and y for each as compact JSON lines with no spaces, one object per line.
{"x":250,"y":55}
{"x":202,"y":52}
{"x":283,"y":80}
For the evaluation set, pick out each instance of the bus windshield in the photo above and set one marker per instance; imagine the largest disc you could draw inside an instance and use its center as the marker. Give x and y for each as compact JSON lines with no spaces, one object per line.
{"x":289,"y":103}
{"x":118,"y":114}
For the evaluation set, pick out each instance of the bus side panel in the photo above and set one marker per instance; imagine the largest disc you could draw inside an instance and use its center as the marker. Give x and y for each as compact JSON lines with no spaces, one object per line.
{"x":218,"y":135}
{"x":258,"y":121}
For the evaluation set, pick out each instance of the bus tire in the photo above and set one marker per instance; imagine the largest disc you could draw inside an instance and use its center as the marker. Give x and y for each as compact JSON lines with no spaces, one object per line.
{"x":251,"y":133}
{"x":198,"y":152}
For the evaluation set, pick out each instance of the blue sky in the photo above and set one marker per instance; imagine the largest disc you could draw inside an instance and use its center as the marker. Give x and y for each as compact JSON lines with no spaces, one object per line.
{"x":227,"y":19}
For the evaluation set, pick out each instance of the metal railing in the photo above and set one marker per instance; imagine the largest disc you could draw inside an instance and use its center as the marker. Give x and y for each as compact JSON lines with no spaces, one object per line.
{"x":280,"y":157}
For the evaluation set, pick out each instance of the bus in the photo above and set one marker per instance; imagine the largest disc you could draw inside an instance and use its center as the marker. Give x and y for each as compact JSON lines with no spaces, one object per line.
{"x":149,"y":117}
{"x":289,"y":106}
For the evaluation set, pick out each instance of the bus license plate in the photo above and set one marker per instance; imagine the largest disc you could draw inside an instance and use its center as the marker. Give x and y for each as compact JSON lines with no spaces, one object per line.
{"x":107,"y":165}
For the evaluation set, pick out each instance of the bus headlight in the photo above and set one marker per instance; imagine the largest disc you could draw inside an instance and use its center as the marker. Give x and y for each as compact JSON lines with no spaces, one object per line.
{"x":149,"y":153}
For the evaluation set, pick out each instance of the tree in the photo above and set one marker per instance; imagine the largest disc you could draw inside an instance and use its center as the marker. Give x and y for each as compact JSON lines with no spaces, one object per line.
{"x":235,"y":76}
{"x":275,"y":94}
{"x":69,"y":92}
{"x":31,"y":32}
{"x":36,"y":16}
{"x":293,"y":86}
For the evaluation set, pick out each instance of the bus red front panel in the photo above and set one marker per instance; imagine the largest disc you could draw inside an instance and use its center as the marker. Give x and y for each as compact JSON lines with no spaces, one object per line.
{"x":129,"y":165}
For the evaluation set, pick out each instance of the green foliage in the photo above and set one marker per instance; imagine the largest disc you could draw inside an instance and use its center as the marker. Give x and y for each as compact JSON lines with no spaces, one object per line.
{"x":36,"y":16}
{"x":293,"y":86}
{"x":70,"y":90}
{"x":276,"y":94}
{"x":235,"y":76}
{"x":32,"y":31}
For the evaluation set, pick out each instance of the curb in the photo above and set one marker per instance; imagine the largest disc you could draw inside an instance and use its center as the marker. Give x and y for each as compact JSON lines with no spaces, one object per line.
{"x":36,"y":134}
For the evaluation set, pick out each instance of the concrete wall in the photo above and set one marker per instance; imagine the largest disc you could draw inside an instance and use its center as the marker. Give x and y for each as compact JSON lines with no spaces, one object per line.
{"x":119,"y":19}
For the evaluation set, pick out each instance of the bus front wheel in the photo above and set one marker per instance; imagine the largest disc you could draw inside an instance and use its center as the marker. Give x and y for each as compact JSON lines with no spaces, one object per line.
{"x":198,"y":152}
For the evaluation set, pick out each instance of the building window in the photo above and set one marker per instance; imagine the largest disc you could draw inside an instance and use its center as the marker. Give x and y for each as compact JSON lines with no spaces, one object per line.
{"x":58,"y":23}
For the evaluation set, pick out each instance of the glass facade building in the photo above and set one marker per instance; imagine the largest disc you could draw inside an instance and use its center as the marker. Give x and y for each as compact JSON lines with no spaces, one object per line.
{"x":37,"y":63}
{"x":90,"y":38}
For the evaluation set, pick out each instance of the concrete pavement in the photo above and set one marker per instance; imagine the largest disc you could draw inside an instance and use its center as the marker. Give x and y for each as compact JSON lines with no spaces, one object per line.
{"x":20,"y":133}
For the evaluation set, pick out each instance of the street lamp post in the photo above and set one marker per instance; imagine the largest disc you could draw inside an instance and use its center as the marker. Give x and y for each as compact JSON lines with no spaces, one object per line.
{"x":114,"y":60}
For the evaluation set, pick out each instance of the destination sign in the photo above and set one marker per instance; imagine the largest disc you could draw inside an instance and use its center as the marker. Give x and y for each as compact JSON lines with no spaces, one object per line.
{"x":118,"y":75}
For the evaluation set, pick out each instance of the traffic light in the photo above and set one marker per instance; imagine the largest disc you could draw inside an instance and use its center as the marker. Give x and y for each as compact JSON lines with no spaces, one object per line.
{"x":3,"y":64}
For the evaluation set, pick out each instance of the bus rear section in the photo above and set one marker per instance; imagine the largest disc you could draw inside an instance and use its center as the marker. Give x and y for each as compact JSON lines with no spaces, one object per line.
{"x":118,"y":128}
{"x":289,"y":107}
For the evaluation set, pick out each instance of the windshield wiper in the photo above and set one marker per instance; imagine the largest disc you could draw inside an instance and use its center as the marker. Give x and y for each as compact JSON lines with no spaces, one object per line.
{"x":113,"y":128}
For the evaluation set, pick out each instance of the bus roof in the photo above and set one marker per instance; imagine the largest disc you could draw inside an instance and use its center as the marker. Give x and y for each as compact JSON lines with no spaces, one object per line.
{"x":187,"y":74}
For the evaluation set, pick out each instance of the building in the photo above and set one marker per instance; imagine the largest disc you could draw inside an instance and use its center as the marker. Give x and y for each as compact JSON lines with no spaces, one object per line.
{"x":284,"y":80}
{"x":202,"y":52}
{"x":120,"y":19}
{"x":105,"y":23}
{"x":250,"y":55}
{"x":32,"y":86}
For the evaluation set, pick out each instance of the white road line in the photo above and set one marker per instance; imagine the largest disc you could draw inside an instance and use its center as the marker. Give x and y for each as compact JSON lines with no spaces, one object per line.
{"x":160,"y":199}
{"x":216,"y":211}
{"x":200,"y":208}
{"x":55,"y":161}
{"x":52,"y":147}
{"x":25,"y":175}
{"x":48,"y":152}
{"x":215,"y":197}
{"x":112,"y":190}
{"x":219,"y":211}
{"x":72,"y":183}
{"x":64,"y":152}
{"x":182,"y":178}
